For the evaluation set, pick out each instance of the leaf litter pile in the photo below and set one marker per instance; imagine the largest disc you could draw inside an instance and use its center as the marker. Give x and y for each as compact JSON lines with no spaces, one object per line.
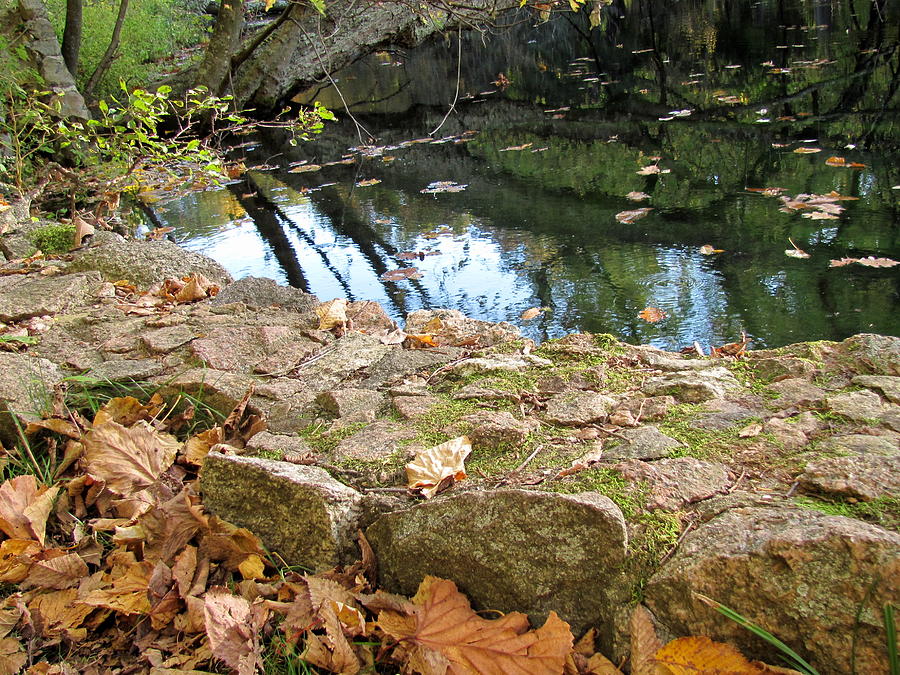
{"x":115,"y":566}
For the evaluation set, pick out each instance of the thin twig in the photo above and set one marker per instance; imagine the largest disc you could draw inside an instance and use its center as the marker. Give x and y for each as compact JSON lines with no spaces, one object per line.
{"x":458,"y":77}
{"x":691,"y":525}
{"x":736,"y":483}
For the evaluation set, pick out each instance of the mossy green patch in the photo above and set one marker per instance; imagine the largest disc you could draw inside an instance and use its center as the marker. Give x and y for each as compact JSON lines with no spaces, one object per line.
{"x":322,"y":440}
{"x":884,"y":511}
{"x":700,"y":443}
{"x":53,"y":239}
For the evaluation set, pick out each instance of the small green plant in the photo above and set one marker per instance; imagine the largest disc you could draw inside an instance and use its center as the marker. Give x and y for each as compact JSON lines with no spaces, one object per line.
{"x":53,"y":239}
{"x":890,"y":629}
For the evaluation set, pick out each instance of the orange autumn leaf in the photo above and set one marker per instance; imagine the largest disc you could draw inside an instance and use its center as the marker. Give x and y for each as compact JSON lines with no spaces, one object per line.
{"x":692,"y":655}
{"x":644,"y":642}
{"x":841,"y":162}
{"x":441,"y":634}
{"x":25,"y":507}
{"x":419,"y":341}
{"x":652,"y":314}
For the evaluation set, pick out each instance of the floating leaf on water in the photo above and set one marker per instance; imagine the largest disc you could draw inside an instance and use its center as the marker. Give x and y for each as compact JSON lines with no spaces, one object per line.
{"x":633,"y":215}
{"x":367,"y":182}
{"x":795,"y":252}
{"x":652,"y":314}
{"x":637,"y":196}
{"x":401,"y":274}
{"x":841,"y":162}
{"x":768,"y":192}
{"x":807,"y":151}
{"x":707,"y":249}
{"x":819,"y":215}
{"x":304,"y":168}
{"x":442,"y":186}
{"x":871,"y":261}
{"x":532,"y":313}
{"x":524,"y":146}
{"x":652,"y":170}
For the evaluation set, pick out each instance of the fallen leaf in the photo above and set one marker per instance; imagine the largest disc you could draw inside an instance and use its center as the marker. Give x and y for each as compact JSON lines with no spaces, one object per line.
{"x":691,"y":655}
{"x":127,"y":460}
{"x":652,"y":314}
{"x":633,"y":215}
{"x":796,"y":252}
{"x":12,"y":656}
{"x":367,"y":182}
{"x":305,"y":168}
{"x":61,"y":572}
{"x":524,"y":146}
{"x":871,"y":261}
{"x":401,"y":274}
{"x":651,"y":170}
{"x":644,"y":642}
{"x":232,"y":627}
{"x":127,"y":594}
{"x":751,"y":430}
{"x":531,"y":313}
{"x":442,"y":186}
{"x":82,"y":229}
{"x":433,"y":466}
{"x":419,"y":341}
{"x":16,"y":558}
{"x":441,"y":633}
{"x":332,"y":314}
{"x":127,"y":410}
{"x":806,"y":150}
{"x":637,"y":196}
{"x":25,"y":507}
{"x":707,"y":249}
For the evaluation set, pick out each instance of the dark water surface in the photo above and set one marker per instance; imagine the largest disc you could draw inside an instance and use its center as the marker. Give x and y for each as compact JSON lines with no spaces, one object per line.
{"x":722,"y":92}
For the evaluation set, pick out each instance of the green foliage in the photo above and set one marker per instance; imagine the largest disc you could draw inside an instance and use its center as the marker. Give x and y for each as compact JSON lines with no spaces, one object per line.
{"x":53,"y":239}
{"x":153,"y":30}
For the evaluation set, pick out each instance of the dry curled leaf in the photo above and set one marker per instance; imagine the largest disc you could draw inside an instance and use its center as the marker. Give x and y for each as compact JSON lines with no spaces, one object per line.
{"x":401,"y":274}
{"x":127,"y":460}
{"x":232,"y":626}
{"x":25,"y":507}
{"x":708,"y":249}
{"x":637,"y":196}
{"x":807,"y":150}
{"x":651,"y":170}
{"x":644,"y":642}
{"x":332,"y":314}
{"x":432,"y":467}
{"x":441,"y":634}
{"x":652,"y":314}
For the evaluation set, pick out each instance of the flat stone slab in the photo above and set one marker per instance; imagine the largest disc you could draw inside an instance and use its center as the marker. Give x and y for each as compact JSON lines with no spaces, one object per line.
{"x":800,"y":574}
{"x":22,"y":297}
{"x":887,"y":385}
{"x":645,"y":442}
{"x":164,"y":340}
{"x":278,"y":444}
{"x":352,"y":405}
{"x":125,"y":370}
{"x":26,"y":391}
{"x":498,"y":363}
{"x":300,"y":511}
{"x":863,"y":477}
{"x":677,"y":482}
{"x":379,"y":440}
{"x":578,"y":408}
{"x":693,"y":387}
{"x":795,"y":391}
{"x":259,"y":292}
{"x":863,"y":444}
{"x":511,"y":550}
{"x":410,"y":407}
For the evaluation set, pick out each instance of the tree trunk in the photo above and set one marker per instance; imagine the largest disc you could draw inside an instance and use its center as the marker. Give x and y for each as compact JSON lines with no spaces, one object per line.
{"x":306,"y":46}
{"x":71,"y":42}
{"x":110,"y":53}
{"x":214,"y":70}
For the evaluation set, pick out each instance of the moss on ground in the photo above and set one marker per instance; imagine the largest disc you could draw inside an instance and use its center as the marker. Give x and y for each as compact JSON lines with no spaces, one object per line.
{"x":884,"y":511}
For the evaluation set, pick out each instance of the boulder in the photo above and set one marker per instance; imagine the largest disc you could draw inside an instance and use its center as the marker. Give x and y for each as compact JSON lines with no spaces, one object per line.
{"x":341,"y":359}
{"x":26,"y":392}
{"x":167,"y":339}
{"x":492,"y":429}
{"x":282,"y":445}
{"x":863,"y":477}
{"x":804,"y":576}
{"x":795,"y":391}
{"x":512,"y":550}
{"x":352,"y":405}
{"x":398,"y":364}
{"x":875,"y":354}
{"x":862,"y":444}
{"x":241,"y":348}
{"x":144,"y":263}
{"x":378,"y":441}
{"x":301,"y":512}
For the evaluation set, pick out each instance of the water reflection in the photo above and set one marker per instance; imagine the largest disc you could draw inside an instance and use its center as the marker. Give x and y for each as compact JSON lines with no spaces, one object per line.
{"x":558,"y":149}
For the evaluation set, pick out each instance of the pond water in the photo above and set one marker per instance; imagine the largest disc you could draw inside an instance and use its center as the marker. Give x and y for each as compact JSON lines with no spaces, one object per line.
{"x":727,"y":115}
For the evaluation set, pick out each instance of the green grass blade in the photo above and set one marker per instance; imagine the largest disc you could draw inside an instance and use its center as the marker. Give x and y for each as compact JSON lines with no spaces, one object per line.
{"x":890,"y":628}
{"x":794,"y":659}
